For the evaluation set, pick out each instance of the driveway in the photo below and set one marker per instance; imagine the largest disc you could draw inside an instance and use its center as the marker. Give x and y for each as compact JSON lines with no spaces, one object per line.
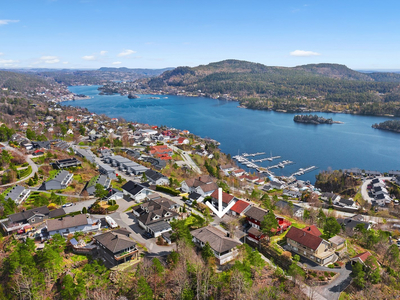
{"x":78,"y":206}
{"x":333,"y":289}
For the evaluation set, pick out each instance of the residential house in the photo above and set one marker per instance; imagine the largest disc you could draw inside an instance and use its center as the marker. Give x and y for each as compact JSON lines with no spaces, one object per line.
{"x":135,"y":191}
{"x":116,"y":246}
{"x":330,"y":197}
{"x":156,"y":178}
{"x":226,"y":198}
{"x":310,"y":246}
{"x":67,"y":163}
{"x":153,"y":216}
{"x":17,"y":193}
{"x":70,"y":118}
{"x":255,"y":216}
{"x":107,"y":170}
{"x":104,"y":151}
{"x":238,"y":172}
{"x":59,"y":182}
{"x":361,"y":258}
{"x":350,"y":225}
{"x":239,"y":208}
{"x":182,"y":141}
{"x":30,"y":217}
{"x":227,"y":168}
{"x":41,"y":145}
{"x":291,"y":193}
{"x":85,"y":153}
{"x":72,"y":224}
{"x":224,"y":248}
{"x":103,"y":180}
{"x":203,"y":185}
{"x":157,"y":163}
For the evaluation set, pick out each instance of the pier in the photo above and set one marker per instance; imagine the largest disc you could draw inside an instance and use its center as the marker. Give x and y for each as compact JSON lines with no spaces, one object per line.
{"x":267,"y":158}
{"x":302,"y":171}
{"x":252,"y":154}
{"x":282,"y":164}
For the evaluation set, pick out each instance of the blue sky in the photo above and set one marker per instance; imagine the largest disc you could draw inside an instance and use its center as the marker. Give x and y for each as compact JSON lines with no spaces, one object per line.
{"x":159,"y":33}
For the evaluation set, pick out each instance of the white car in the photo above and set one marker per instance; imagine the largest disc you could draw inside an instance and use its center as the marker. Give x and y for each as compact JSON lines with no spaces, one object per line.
{"x":68,"y":204}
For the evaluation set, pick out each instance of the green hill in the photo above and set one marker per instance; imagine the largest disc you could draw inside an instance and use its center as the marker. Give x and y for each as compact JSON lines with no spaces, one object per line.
{"x":21,"y":82}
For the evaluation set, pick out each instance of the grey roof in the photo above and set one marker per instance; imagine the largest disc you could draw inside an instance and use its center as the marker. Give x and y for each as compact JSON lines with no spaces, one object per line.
{"x":152,"y":208}
{"x":215,"y":237}
{"x":56,"y":213}
{"x":337,"y":240}
{"x":66,"y":222}
{"x":347,"y":202}
{"x":106,"y":167}
{"x":61,"y":176}
{"x":25,"y":215}
{"x":115,"y":241}
{"x":154,"y":175}
{"x":351,"y":224}
{"x":256,"y":213}
{"x":15,"y":192}
{"x":160,"y":226}
{"x":132,"y":187}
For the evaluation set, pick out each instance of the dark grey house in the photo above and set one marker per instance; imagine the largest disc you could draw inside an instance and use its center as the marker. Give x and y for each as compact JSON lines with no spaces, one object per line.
{"x":59,"y":182}
{"x":30,"y":217}
{"x":18,"y":194}
{"x":68,"y":162}
{"x":116,"y":246}
{"x":156,"y":178}
{"x":41,"y":145}
{"x":107,"y":170}
{"x":99,"y":179}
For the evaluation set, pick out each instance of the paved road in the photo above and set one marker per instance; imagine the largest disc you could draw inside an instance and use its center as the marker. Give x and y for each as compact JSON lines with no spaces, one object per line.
{"x":28,"y":160}
{"x":186,"y":157}
{"x":78,"y":206}
{"x":364,"y":190}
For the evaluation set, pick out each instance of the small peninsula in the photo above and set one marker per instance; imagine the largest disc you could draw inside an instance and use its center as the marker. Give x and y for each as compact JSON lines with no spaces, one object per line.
{"x":314,"y":119}
{"x":391,"y":125}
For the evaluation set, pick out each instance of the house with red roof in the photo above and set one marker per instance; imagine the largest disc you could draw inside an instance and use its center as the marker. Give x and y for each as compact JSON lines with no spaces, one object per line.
{"x":239,"y":208}
{"x":70,"y":118}
{"x":361,"y":258}
{"x":182,"y":141}
{"x":311,"y":246}
{"x":226,"y":198}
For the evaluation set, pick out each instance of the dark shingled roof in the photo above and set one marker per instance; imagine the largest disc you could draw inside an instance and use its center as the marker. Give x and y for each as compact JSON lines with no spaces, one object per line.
{"x":115,"y":241}
{"x":256,"y":213}
{"x":66,"y":222}
{"x":304,"y":238}
{"x":132,"y":187}
{"x":23,"y":216}
{"x":215,"y":237}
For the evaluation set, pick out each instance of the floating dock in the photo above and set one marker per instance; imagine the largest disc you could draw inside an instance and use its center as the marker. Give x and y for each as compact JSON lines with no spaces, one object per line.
{"x":302,"y":171}
{"x":267,"y":158}
{"x":252,"y":154}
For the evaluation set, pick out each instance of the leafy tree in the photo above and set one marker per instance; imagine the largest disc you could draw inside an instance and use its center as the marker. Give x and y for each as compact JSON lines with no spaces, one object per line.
{"x":207,"y":253}
{"x":100,"y":191}
{"x":268,"y":223}
{"x":321,"y":218}
{"x":157,"y":267}
{"x":143,"y":291}
{"x":181,"y":232}
{"x":84,"y":210}
{"x":144,"y":177}
{"x":372,"y":273}
{"x":70,"y":290}
{"x":82,"y":130}
{"x":331,"y":228}
{"x":359,"y":274}
{"x":207,"y":215}
{"x":30,"y":134}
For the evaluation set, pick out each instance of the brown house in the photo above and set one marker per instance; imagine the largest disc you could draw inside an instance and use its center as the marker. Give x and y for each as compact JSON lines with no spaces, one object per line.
{"x":310,"y":246}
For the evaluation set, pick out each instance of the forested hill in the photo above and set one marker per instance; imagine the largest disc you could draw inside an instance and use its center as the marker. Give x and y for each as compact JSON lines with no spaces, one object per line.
{"x":21,"y":82}
{"x":242,"y":79}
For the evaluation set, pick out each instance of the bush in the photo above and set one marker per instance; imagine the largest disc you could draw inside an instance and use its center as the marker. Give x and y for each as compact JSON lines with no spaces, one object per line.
{"x":331,"y":266}
{"x":111,"y":202}
{"x":167,"y":190}
{"x":113,"y":207}
{"x":322,"y":278}
{"x":332,"y":274}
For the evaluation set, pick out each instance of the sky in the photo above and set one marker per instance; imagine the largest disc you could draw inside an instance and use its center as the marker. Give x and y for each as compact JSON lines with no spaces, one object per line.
{"x":159,"y":33}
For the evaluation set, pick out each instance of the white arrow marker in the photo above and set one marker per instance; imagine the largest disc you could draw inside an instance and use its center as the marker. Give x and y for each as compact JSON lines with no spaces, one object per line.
{"x":220,"y":211}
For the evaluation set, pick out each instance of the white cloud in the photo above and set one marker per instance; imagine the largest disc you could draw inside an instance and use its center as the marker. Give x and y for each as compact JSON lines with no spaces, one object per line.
{"x":126,"y":53}
{"x":6,"y":22}
{"x":117,"y":63}
{"x":1,"y":53}
{"x":103,"y":52}
{"x":89,"y":57}
{"x":8,"y":62}
{"x":50,"y":59}
{"x":304,"y":53}
{"x":65,"y":62}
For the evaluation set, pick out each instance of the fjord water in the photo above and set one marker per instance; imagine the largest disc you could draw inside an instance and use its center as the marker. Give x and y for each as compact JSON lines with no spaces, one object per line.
{"x":337,"y":146}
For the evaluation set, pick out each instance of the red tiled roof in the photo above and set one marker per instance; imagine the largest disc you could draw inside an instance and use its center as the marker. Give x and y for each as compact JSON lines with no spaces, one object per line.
{"x":240,"y":206}
{"x":304,"y":238}
{"x":226,"y":198}
{"x":313,"y":230}
{"x":363,"y":256}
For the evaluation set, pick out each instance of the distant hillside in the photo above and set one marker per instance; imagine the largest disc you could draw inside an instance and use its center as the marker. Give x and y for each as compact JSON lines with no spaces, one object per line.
{"x":242,"y":79}
{"x":21,"y":82}
{"x":100,"y":76}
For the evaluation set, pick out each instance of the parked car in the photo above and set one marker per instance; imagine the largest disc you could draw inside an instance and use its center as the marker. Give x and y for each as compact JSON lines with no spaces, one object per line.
{"x":189,"y":202}
{"x":147,"y":235}
{"x":67,"y":204}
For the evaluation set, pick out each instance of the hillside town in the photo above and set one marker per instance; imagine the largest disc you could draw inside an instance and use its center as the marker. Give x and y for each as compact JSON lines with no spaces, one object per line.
{"x":123,"y":193}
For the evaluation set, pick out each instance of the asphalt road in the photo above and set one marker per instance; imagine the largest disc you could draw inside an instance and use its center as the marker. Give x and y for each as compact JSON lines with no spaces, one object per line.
{"x":28,"y":160}
{"x":189,"y":161}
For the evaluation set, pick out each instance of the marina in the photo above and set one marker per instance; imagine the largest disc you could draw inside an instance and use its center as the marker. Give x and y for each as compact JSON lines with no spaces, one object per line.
{"x":267,"y":158}
{"x":252,"y":154}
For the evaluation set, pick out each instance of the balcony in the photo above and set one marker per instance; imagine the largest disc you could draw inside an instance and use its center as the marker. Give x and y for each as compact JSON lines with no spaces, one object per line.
{"x":125,"y":253}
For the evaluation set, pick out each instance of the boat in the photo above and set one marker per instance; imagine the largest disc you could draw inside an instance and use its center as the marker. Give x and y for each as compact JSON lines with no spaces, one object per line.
{"x":281,"y":165}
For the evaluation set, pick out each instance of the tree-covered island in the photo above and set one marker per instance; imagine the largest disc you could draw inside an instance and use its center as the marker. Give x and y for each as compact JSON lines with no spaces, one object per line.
{"x":313,"y":119}
{"x":391,"y":125}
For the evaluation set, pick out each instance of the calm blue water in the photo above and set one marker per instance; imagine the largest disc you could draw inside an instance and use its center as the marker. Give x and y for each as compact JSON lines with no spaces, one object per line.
{"x":337,"y":146}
